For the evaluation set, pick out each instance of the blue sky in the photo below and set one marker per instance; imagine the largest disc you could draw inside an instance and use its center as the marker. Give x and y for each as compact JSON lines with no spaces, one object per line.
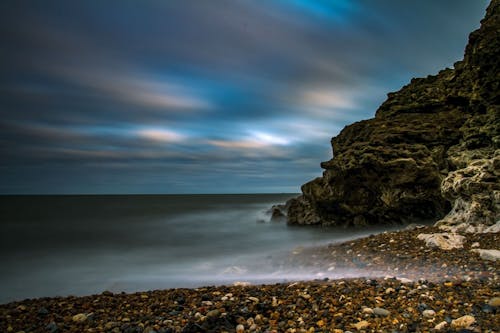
{"x":222,"y":96}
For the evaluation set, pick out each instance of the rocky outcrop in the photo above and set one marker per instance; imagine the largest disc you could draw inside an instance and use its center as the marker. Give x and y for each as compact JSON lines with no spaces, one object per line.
{"x":432,"y":147}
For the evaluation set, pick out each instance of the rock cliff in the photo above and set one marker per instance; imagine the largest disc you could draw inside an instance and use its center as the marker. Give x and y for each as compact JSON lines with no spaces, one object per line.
{"x":430,"y":153}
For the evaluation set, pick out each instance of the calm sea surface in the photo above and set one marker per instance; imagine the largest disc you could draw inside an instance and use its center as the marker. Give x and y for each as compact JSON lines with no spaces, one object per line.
{"x":77,"y":245}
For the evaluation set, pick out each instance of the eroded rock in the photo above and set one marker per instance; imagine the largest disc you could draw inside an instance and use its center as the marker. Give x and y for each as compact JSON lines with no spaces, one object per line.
{"x":432,"y":146}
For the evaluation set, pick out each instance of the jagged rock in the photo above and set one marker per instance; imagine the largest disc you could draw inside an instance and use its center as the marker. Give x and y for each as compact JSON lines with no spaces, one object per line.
{"x":444,"y":241}
{"x":475,"y":191}
{"x":432,"y":146}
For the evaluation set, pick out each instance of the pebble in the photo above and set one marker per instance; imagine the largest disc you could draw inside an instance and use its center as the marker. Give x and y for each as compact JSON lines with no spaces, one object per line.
{"x":43,"y":311}
{"x":80,"y":318}
{"x":495,"y":302}
{"x":463,"y":322}
{"x":441,"y":326}
{"x":213,"y":313}
{"x":381,"y":312}
{"x":52,"y":327}
{"x":429,"y":313}
{"x":368,"y":310}
{"x":361,"y":325}
{"x":240,"y":328}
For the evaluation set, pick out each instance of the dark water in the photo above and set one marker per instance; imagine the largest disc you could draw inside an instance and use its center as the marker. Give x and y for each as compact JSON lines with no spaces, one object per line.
{"x":62,"y":245}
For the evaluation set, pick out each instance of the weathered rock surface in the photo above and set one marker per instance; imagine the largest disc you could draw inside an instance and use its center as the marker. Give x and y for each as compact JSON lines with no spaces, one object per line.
{"x":432,"y":146}
{"x":444,"y":241}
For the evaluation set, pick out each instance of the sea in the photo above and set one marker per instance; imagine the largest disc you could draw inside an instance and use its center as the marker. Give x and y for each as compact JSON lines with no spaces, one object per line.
{"x":86,"y":244}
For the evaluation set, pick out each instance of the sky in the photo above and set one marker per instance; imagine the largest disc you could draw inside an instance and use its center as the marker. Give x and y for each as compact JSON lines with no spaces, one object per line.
{"x":220,"y":96}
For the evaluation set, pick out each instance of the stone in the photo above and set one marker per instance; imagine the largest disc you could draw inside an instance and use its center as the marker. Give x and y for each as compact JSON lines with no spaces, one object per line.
{"x":463,"y":322}
{"x":52,"y":327}
{"x":361,"y":325}
{"x":428,"y":313}
{"x":495,"y":302}
{"x":43,"y":311}
{"x":490,"y":255}
{"x":405,"y":280}
{"x":240,"y":328}
{"x":441,"y":326}
{"x":213,"y":314}
{"x":111,"y":324}
{"x":444,"y":241}
{"x":79,"y":318}
{"x":381,"y":312}
{"x":367,"y":310}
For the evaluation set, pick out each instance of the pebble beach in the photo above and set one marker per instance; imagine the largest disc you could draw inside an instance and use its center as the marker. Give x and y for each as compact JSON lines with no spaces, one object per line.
{"x":402,"y":285}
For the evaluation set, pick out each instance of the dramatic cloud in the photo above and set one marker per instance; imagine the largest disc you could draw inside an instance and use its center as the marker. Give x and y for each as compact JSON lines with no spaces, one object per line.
{"x":202,"y":96}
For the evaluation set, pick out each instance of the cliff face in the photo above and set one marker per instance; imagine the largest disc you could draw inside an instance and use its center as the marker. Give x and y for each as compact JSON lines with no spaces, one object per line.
{"x":432,"y":146}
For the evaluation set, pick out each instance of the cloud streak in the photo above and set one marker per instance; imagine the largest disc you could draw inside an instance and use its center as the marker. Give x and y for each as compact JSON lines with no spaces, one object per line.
{"x":180,"y":96}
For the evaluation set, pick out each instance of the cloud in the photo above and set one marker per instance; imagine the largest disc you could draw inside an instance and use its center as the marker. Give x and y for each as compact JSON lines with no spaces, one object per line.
{"x":128,"y":88}
{"x":160,"y":135}
{"x":179,"y":95}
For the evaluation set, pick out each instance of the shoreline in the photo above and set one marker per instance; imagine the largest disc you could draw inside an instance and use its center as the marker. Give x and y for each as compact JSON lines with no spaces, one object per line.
{"x":408,"y":287}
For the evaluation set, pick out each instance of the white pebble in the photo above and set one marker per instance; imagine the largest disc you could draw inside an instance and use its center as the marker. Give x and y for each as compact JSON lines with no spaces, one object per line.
{"x":429,"y":313}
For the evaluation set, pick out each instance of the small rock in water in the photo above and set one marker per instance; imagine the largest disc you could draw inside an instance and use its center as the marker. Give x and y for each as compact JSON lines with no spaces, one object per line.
{"x":381,"y":312}
{"x":463,"y":322}
{"x":240,"y":328}
{"x":405,"y":280}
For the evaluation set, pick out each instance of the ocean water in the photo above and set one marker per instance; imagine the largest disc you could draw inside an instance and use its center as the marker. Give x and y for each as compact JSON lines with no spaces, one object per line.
{"x":79,"y":245}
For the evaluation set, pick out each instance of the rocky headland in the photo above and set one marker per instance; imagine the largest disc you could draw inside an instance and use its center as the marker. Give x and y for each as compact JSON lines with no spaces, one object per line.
{"x":431,"y":152}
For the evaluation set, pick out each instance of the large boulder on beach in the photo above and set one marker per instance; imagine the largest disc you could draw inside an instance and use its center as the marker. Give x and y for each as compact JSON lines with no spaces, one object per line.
{"x":432,"y":146}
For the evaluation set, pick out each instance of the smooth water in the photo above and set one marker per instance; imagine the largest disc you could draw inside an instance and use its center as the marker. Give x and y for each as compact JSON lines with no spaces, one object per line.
{"x":77,"y":245}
